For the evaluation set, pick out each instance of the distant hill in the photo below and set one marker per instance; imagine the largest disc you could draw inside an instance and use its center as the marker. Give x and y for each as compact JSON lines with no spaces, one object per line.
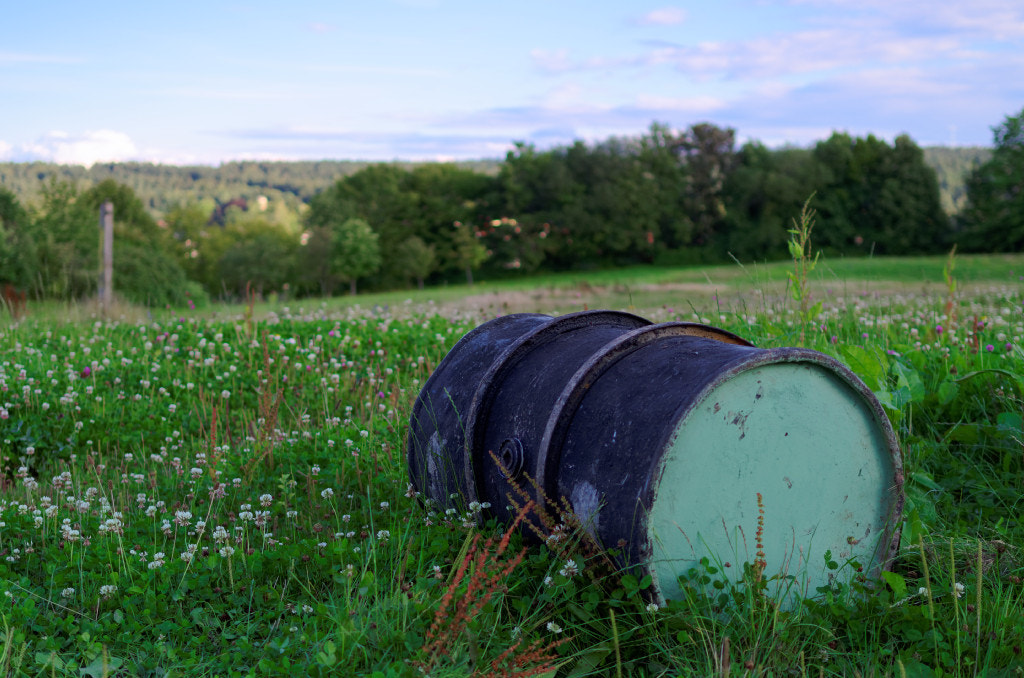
{"x":161,"y":187}
{"x":952,"y":165}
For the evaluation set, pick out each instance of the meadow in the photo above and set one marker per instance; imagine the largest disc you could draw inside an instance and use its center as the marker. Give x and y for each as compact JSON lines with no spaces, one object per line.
{"x":223,"y":491}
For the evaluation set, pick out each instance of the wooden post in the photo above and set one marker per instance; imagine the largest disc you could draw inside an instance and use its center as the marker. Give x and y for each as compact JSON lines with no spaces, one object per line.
{"x":107,"y":273}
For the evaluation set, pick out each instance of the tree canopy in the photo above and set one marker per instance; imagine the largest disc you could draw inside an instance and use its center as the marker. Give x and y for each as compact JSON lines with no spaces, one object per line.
{"x":993,"y":219}
{"x":669,"y":196}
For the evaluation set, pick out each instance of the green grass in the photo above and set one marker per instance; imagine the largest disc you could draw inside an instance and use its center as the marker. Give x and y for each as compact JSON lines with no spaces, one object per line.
{"x":118,"y":436}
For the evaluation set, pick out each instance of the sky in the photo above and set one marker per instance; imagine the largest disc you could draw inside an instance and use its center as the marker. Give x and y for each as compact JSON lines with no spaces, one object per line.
{"x":190,"y":82}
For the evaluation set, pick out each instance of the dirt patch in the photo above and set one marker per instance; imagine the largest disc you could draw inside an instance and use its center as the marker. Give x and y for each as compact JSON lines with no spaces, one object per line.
{"x":584,"y":296}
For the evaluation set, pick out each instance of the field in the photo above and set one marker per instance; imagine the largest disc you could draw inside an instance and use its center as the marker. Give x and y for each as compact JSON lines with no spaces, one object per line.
{"x":223,"y":491}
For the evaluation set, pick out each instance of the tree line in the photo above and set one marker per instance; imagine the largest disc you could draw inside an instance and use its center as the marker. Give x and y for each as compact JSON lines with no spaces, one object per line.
{"x":665,"y":197}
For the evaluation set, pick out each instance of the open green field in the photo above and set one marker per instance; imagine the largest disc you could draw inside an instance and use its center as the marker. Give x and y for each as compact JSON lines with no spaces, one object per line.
{"x":223,"y":491}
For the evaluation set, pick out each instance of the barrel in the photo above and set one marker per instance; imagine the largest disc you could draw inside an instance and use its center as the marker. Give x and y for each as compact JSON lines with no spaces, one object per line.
{"x":672,"y":443}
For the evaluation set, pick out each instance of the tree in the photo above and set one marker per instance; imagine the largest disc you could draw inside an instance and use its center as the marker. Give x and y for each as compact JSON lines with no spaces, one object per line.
{"x":65,"y":230}
{"x":761,"y":196}
{"x":467,"y":251}
{"x":187,"y":224}
{"x":315,"y":261}
{"x":261,"y":257}
{"x":993,"y":219}
{"x":17,"y":248}
{"x":873,"y":197}
{"x":416,"y":258}
{"x":709,"y":156}
{"x":355,"y":251}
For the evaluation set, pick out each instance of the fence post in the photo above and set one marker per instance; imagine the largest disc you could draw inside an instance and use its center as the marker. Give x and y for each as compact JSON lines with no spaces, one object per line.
{"x":107,"y":274}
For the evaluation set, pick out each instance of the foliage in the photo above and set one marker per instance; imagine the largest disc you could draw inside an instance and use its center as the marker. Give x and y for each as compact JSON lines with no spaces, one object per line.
{"x":65,"y":231}
{"x":467,"y":252}
{"x":417,"y":258}
{"x":148,"y":277}
{"x":17,"y":247}
{"x":952,"y":166}
{"x":994,"y":215}
{"x":876,"y":198}
{"x":127,"y":445}
{"x":803,"y":267}
{"x":354,"y":251}
{"x":665,"y":196}
{"x":761,"y":195}
{"x":162,"y":187}
{"x":261,"y":256}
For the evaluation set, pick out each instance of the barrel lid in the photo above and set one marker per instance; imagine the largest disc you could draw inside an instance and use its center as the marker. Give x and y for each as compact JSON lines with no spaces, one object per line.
{"x":786,"y":457}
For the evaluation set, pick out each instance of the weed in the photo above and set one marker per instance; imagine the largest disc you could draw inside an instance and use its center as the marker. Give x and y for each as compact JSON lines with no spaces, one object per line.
{"x":803,"y":265}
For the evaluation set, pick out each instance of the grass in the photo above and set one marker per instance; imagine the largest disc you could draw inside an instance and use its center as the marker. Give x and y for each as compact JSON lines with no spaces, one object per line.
{"x":223,"y":491}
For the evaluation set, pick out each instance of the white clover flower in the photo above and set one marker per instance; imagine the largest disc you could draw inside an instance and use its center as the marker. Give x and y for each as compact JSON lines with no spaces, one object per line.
{"x":383,"y":535}
{"x":227,"y":551}
{"x":554,"y":628}
{"x":108,"y":590}
{"x":652,"y":607}
{"x":326,"y":493}
{"x":958,"y":590}
{"x":68,"y":592}
{"x":570,"y":570}
{"x":266,"y":499}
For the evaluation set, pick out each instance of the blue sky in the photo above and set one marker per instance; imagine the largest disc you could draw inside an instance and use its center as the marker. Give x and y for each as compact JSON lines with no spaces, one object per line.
{"x":206,"y":82}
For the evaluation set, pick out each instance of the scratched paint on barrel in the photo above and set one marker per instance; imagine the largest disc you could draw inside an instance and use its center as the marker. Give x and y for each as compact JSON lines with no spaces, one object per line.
{"x":807,"y":442}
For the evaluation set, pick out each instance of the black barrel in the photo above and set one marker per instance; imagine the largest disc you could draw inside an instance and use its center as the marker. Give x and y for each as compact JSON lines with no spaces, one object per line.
{"x":668,"y":441}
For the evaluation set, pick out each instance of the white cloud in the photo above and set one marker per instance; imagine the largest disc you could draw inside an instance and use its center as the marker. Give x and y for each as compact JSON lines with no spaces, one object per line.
{"x":696,"y":104}
{"x":666,"y":16}
{"x":27,"y":58}
{"x":812,"y":51}
{"x":320,"y":27}
{"x":993,"y":19}
{"x":998,"y":19}
{"x":5,"y":150}
{"x":86,"y":149}
{"x":553,"y":61}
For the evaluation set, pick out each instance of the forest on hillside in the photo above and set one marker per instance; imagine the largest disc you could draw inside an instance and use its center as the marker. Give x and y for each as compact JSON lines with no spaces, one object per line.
{"x":162,"y":187}
{"x":666,"y":196}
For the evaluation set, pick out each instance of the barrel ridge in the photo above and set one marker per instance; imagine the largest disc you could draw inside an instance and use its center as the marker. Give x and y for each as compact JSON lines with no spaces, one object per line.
{"x":435,"y":461}
{"x":549,"y":450}
{"x":475,"y":458}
